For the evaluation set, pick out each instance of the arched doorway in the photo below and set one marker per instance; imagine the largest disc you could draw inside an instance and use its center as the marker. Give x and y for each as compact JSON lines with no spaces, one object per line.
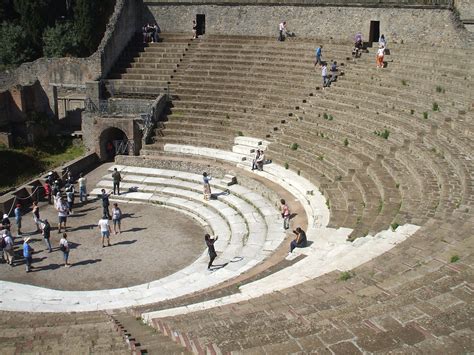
{"x":113,"y":141}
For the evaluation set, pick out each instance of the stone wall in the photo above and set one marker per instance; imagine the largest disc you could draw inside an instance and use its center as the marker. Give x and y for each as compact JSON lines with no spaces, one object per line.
{"x":465,"y":9}
{"x":419,"y":25}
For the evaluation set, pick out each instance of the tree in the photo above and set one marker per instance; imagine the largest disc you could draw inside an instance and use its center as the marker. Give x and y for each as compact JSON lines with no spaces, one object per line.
{"x":85,"y":21}
{"x":60,"y":40}
{"x":14,"y":45}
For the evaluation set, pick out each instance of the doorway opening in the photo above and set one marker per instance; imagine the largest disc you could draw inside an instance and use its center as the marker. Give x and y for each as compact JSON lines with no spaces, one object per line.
{"x":200,"y":24}
{"x":374,"y":32}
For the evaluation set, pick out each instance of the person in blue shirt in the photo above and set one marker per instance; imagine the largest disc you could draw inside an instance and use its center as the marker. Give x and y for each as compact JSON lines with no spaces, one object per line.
{"x":318,"y":55}
{"x":27,"y":253}
{"x":18,"y":218}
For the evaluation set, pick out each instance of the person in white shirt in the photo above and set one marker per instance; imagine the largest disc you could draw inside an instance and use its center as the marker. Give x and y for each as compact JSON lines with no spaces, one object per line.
{"x":82,"y":188}
{"x":260,"y":160}
{"x":63,"y":212}
{"x":324,"y":74}
{"x":105,"y":230}
{"x":380,"y":56}
{"x":8,"y":249}
{"x":281,"y":28}
{"x":64,"y":246}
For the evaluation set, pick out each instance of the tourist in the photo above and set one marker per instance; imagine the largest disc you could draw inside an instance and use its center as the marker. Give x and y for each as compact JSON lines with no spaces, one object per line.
{"x":57,"y":200}
{"x":145,"y":33}
{"x":380,"y":56}
{"x":55,"y":188}
{"x":70,"y":198}
{"x":300,"y":241}
{"x":116,"y":178}
{"x":62,"y":214}
{"x":116,"y":218}
{"x":285,"y":214}
{"x":82,"y":188}
{"x":105,"y":203}
{"x":18,"y":218}
{"x":206,"y":186}
{"x":46,"y":231}
{"x":318,"y":53}
{"x":105,"y":230}
{"x":333,"y":71}
{"x":260,"y":160}
{"x":6,"y":222}
{"x":109,"y":148}
{"x":36,"y":216}
{"x":210,"y":247}
{"x":64,"y":246}
{"x":156,"y":31}
{"x":194,"y":29}
{"x":324,"y":73}
{"x":69,"y":179}
{"x":47,"y":191}
{"x":358,"y":41}
{"x":49,"y":178}
{"x":27,"y":253}
{"x":8,"y":247}
{"x":282,"y":28}
{"x":254,"y":161}
{"x":382,"y":41}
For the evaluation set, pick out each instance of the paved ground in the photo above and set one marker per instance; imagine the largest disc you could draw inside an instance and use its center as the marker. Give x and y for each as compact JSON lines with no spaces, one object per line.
{"x":155,"y":242}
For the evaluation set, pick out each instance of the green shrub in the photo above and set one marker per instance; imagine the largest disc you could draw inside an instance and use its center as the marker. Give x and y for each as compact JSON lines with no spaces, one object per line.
{"x":425,"y":115}
{"x":346,"y":275}
{"x":346,"y":142}
{"x":435,"y":106}
{"x":239,"y":133}
{"x":412,"y":111}
{"x":404,"y":82}
{"x":440,"y":89}
{"x":287,"y":166}
{"x":394,"y":226}
{"x":294,"y":146}
{"x":454,"y":258}
{"x":384,"y":134}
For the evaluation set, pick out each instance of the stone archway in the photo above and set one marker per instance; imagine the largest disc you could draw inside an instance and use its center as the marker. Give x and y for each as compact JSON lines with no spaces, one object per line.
{"x":109,"y":143}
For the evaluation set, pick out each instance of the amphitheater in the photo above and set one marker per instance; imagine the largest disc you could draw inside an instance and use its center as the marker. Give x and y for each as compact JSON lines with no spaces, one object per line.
{"x":379,"y":169}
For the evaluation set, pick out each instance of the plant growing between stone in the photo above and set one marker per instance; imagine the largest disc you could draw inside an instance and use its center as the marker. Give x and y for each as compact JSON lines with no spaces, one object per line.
{"x":394,"y":226}
{"x":287,"y":165}
{"x":425,"y":115}
{"x":346,"y":275}
{"x":384,"y":134}
{"x":346,"y":142}
{"x":454,"y":258}
{"x":435,"y":106}
{"x":294,"y":146}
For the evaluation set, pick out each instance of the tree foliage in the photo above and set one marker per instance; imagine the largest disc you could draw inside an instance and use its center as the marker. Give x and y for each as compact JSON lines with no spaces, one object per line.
{"x":60,"y":40}
{"x":14,"y":45}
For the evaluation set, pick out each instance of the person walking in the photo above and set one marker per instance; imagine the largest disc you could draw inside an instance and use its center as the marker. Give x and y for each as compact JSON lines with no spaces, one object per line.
{"x":105,"y":230}
{"x":46,"y":231}
{"x":105,"y":203}
{"x":117,"y":178}
{"x":64,"y":246}
{"x":206,"y":186}
{"x":6,"y":222}
{"x":18,"y":218}
{"x":318,"y":54}
{"x":117,"y":218}
{"x":380,"y":56}
{"x":282,"y":29}
{"x":210,"y":247}
{"x":8,"y":247}
{"x":36,"y":216}
{"x":82,"y":188}
{"x":62,"y":215}
{"x":324,"y":74}
{"x":300,"y":241}
{"x":28,"y":253}
{"x":285,"y":214}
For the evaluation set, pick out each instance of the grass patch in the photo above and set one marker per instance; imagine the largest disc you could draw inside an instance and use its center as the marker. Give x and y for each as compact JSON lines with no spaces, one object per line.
{"x":384,"y":134}
{"x":425,"y":115}
{"x":24,"y":163}
{"x":346,"y":142}
{"x":346,"y":275}
{"x":294,"y":146}
{"x":435,"y":106}
{"x":287,"y":166}
{"x":404,"y":82}
{"x":240,"y":134}
{"x":394,"y":226}
{"x":454,"y":259}
{"x":440,"y":89}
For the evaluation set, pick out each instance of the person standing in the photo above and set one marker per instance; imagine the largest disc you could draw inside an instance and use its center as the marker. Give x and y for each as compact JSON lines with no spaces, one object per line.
{"x":210,"y":247}
{"x":254,"y":161}
{"x":105,"y":230}
{"x":64,"y":246}
{"x":62,"y":215}
{"x":324,"y":74}
{"x":8,"y":247}
{"x":27,"y":253}
{"x":6,"y":222}
{"x":380,"y":56}
{"x":260,"y":160}
{"x":46,"y":230}
{"x":206,"y":186}
{"x":194,"y":29}
{"x":117,"y":178}
{"x":70,"y":198}
{"x":116,"y":218}
{"x":47,"y":191}
{"x":285,"y":214}
{"x":281,"y":28}
{"x":82,"y":188}
{"x":319,"y":53}
{"x":18,"y":218}
{"x":105,"y":203}
{"x":36,"y":216}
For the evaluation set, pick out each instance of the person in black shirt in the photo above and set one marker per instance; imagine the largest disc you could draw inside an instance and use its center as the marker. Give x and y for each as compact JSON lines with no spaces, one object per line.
{"x":105,"y":203}
{"x":300,"y":241}
{"x":210,"y":246}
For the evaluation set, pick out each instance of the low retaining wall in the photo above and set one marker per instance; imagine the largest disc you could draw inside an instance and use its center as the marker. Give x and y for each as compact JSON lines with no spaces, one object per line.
{"x":33,"y":190}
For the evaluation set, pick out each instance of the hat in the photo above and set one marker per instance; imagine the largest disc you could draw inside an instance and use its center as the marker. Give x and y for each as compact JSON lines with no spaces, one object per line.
{"x":26,"y":239}
{"x":5,"y":215}
{"x":50,"y":173}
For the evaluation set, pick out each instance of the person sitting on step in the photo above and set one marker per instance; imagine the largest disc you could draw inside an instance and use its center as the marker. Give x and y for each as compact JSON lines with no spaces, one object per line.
{"x":300,"y":241}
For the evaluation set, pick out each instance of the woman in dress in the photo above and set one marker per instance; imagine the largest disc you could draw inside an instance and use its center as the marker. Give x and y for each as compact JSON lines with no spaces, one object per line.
{"x":210,"y":246}
{"x":207,"y":186}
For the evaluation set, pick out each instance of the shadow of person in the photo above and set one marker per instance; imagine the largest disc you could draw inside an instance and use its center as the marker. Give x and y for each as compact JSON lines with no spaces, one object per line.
{"x":134,"y":229}
{"x":218,"y":266}
{"x":223,"y":193}
{"x":46,"y":267}
{"x":293,"y":215}
{"x":125,"y":242}
{"x":129,"y":215}
{"x":87,"y":226}
{"x":86,"y":262}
